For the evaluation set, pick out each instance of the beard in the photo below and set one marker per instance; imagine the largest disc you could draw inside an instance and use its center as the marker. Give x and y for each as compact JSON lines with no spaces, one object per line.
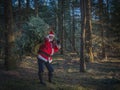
{"x":50,"y":40}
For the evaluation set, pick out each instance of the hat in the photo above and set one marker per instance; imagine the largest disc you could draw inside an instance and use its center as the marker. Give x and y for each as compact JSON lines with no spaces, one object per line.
{"x":51,"y":33}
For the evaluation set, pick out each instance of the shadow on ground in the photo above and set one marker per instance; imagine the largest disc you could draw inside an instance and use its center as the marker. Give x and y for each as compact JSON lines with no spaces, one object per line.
{"x":98,"y":76}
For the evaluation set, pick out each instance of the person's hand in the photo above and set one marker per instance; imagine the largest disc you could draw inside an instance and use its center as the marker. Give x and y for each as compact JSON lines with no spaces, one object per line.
{"x":50,"y":61}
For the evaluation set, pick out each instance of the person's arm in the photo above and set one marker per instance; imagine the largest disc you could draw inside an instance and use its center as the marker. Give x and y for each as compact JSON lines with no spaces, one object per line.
{"x":56,"y":48}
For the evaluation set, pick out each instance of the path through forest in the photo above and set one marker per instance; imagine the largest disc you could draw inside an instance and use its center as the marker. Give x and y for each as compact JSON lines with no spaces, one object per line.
{"x":102,"y":75}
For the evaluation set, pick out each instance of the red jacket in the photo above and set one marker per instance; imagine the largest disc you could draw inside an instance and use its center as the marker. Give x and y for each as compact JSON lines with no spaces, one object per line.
{"x":47,"y":48}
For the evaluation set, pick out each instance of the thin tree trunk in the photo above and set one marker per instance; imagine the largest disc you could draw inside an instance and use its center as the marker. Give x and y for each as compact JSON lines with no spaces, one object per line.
{"x":27,"y":8}
{"x":19,"y":6}
{"x":70,"y":25}
{"x":36,"y":7}
{"x":89,"y":32}
{"x":102,"y":28}
{"x":62,"y":30}
{"x":10,"y":61}
{"x":60,"y":21}
{"x":83,"y":27}
{"x":73,"y":29}
{"x":27,"y":4}
{"x":107,"y":29}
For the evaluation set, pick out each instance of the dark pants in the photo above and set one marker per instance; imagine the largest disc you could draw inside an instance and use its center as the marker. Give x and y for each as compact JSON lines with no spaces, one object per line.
{"x":49,"y":67}
{"x":41,"y":64}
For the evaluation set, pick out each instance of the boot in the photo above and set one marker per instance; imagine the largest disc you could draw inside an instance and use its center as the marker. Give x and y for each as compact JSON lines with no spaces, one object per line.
{"x":41,"y":79}
{"x":50,"y":75}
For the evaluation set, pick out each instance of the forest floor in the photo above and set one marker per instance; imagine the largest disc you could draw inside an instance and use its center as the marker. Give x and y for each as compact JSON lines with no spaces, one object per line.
{"x":100,"y":75}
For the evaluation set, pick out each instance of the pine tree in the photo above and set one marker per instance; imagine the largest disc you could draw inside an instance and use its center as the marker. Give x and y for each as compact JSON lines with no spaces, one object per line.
{"x":83,"y":29}
{"x":10,"y":61}
{"x":89,"y":32}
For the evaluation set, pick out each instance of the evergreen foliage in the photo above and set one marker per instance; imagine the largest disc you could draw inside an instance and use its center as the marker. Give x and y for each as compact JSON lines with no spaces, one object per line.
{"x":33,"y":33}
{"x":115,"y":19}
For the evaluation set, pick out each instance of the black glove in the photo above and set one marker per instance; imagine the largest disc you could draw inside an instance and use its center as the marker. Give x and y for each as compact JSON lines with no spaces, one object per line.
{"x":58,"y":42}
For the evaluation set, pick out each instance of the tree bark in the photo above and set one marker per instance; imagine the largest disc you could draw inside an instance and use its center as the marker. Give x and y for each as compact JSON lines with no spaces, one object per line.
{"x":19,"y":8}
{"x":27,"y":8}
{"x":10,"y":62}
{"x":60,"y":23}
{"x":83,"y":29}
{"x":19,"y":4}
{"x":27,"y":4}
{"x":89,"y":32}
{"x":73,"y":28}
{"x":36,"y":7}
{"x":102,"y":28}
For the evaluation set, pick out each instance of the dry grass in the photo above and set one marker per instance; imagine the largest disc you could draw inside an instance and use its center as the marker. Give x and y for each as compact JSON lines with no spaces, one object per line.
{"x":104,"y":75}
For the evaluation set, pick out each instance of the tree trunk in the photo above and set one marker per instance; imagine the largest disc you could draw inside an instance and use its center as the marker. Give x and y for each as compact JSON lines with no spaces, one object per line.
{"x":27,"y":8}
{"x":19,"y":4}
{"x":19,"y":7}
{"x":10,"y":62}
{"x":83,"y":27}
{"x":73,"y":28}
{"x":27,"y":4}
{"x":89,"y":32}
{"x":102,"y":29}
{"x":60,"y":21}
{"x":36,"y":7}
{"x":107,"y":29}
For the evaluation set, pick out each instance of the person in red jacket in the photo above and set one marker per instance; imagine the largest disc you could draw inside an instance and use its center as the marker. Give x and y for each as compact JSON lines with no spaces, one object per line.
{"x":46,"y":50}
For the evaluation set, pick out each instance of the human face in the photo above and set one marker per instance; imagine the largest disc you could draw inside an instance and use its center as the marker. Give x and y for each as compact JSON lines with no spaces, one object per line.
{"x":51,"y":38}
